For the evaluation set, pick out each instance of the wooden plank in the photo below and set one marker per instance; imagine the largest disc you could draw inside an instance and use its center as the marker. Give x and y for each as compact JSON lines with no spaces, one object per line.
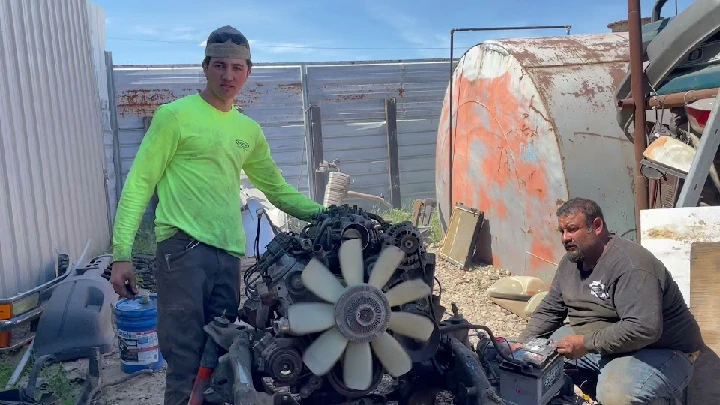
{"x":704,"y":285}
{"x":422,"y":211}
{"x":461,"y":238}
{"x":705,"y":305}
{"x":392,"y":142}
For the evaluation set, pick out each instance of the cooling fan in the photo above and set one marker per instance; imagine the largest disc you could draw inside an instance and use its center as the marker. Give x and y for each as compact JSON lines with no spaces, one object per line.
{"x":357,"y":315}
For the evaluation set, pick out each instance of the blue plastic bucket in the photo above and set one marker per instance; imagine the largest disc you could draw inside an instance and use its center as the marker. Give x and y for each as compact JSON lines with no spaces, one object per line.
{"x":137,"y":335}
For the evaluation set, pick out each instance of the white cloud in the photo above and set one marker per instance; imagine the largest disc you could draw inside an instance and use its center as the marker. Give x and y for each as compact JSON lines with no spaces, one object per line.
{"x":164,"y":33}
{"x":277,"y":47}
{"x":144,"y":30}
{"x":281,"y":47}
{"x":184,"y":34}
{"x":410,"y":29}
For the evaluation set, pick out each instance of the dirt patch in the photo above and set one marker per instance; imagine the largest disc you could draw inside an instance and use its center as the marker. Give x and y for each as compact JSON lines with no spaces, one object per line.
{"x":468,"y":290}
{"x":686,"y":233}
{"x":147,"y":389}
{"x":663,"y":233}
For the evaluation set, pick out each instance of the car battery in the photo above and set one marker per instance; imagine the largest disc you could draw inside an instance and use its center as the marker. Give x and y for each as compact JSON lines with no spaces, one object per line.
{"x":537,"y":381}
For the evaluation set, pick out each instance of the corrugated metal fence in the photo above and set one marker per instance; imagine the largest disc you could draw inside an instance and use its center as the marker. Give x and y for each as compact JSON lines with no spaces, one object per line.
{"x":351,"y":100}
{"x":52,"y":188}
{"x":352,"y":103}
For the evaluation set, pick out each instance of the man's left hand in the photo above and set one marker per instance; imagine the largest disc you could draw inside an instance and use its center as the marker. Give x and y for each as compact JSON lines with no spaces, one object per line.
{"x":572,"y":347}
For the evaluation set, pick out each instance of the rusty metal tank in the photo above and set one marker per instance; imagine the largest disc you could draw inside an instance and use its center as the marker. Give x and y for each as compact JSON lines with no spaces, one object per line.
{"x":534,"y":124}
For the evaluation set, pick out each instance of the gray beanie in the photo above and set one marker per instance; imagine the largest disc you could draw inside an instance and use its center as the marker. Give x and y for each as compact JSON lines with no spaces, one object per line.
{"x":227,"y":42}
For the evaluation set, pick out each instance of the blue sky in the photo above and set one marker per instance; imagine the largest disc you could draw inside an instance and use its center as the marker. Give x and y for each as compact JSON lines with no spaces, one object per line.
{"x":171,"y":31}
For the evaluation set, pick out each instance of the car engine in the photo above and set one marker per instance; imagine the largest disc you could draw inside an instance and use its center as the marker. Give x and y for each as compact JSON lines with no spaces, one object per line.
{"x":345,"y":311}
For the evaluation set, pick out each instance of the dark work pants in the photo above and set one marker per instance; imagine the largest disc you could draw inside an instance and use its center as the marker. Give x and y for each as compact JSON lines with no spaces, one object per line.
{"x":195,"y":283}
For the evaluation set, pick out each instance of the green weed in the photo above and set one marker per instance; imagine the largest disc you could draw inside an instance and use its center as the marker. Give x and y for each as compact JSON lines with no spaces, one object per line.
{"x":403,"y":214}
{"x":54,"y":375}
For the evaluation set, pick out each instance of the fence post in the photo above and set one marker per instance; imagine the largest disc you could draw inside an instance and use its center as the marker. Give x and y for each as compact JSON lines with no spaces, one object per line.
{"x":308,"y":131}
{"x":316,"y":153}
{"x":117,"y":164}
{"x":392,"y":142}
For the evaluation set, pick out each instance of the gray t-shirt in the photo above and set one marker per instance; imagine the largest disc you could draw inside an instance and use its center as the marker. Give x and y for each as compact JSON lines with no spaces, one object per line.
{"x":629,"y":301}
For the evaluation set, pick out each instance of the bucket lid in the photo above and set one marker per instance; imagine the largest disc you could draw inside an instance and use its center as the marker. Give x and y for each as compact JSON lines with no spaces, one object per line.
{"x":136,"y":305}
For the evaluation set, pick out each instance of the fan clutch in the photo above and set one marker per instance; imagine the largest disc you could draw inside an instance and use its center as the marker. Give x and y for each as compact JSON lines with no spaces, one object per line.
{"x":356,"y":316}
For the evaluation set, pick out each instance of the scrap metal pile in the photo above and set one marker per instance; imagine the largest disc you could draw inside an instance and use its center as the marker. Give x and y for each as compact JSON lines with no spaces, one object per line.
{"x":344,"y":312}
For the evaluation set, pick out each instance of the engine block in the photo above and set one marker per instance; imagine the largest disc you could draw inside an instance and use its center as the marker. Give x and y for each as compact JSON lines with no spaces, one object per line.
{"x":275,"y":280}
{"x":363,"y":314}
{"x":345,"y":312}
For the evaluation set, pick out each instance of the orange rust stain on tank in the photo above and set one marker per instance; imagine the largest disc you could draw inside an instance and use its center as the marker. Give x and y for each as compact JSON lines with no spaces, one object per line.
{"x":543,"y":251}
{"x":587,"y":90}
{"x":536,"y":182}
{"x":631,"y":173}
{"x":485,"y":203}
{"x":481,"y":123}
{"x":618,"y":72}
{"x":504,"y":131}
{"x":572,"y":47}
{"x":496,"y":159}
{"x":501,"y":210}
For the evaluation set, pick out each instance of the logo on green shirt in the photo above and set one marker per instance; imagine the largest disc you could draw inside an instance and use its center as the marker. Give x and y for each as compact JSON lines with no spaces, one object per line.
{"x":242,"y":144}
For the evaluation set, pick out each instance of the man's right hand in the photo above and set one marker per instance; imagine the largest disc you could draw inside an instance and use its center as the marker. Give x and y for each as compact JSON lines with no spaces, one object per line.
{"x":515,"y":346}
{"x":123,"y":272}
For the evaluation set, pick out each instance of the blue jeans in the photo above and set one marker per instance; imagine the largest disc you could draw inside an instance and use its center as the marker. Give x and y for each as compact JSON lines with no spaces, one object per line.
{"x":647,"y":376}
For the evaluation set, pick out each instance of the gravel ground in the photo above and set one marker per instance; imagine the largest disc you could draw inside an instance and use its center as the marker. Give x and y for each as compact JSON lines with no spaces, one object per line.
{"x":466,"y":288}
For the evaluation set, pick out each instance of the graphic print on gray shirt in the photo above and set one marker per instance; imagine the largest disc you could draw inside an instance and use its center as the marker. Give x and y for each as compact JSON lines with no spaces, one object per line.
{"x":629,"y":301}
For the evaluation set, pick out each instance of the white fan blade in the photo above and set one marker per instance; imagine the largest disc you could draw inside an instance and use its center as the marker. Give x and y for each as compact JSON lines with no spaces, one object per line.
{"x":411,"y":325}
{"x":357,"y":367}
{"x":407,"y":291}
{"x":386,"y":264}
{"x":325,"y":351}
{"x":392,"y":355}
{"x":351,"y":261}
{"x":318,"y":279}
{"x":310,"y":317}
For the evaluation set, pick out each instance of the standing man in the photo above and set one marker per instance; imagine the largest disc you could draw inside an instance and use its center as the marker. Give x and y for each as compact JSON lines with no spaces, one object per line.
{"x":633,"y":338}
{"x":193,"y":153}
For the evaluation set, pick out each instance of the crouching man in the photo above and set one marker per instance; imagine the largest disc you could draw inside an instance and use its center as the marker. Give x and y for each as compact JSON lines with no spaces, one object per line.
{"x":631,"y":338}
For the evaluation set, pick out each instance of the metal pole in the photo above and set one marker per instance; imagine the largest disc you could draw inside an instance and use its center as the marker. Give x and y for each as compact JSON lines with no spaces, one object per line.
{"x":450,"y":97}
{"x":671,"y":100}
{"x":657,"y":8}
{"x":109,"y":66}
{"x":638,"y":95}
{"x":450,"y":138}
{"x":312,"y":171}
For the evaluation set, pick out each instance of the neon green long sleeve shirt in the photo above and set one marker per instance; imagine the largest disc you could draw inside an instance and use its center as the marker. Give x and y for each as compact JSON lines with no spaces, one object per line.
{"x":193,"y":153}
